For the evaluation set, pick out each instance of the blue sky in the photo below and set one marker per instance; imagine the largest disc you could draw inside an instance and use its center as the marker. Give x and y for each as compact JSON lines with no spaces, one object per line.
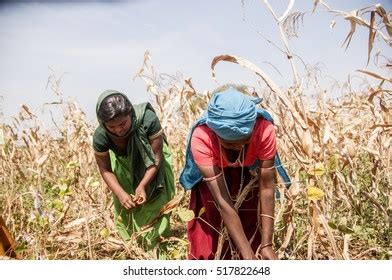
{"x":99,"y":45}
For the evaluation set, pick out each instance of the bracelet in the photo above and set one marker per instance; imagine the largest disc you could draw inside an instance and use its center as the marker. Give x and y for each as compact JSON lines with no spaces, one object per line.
{"x":268,"y":216}
{"x":265,"y":246}
{"x":268,"y":168}
{"x":213,"y":177}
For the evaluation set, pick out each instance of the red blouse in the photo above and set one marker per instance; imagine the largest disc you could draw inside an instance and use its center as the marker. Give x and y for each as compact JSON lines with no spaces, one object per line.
{"x":205,"y":145}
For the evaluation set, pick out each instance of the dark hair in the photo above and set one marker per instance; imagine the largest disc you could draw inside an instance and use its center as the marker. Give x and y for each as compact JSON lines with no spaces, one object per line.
{"x":113,"y":106}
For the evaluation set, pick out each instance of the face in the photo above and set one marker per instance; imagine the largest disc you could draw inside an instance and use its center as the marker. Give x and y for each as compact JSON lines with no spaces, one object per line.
{"x":119,"y":125}
{"x":234,"y":145}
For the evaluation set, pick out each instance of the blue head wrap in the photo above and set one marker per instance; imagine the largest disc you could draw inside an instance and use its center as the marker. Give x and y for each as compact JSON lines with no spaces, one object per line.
{"x":232,"y":114}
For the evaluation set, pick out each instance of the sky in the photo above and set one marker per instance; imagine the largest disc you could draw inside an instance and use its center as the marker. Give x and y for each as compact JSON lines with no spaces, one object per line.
{"x":99,"y":45}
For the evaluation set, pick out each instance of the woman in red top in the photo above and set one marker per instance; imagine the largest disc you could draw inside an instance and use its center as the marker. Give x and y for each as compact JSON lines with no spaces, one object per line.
{"x":233,"y":141}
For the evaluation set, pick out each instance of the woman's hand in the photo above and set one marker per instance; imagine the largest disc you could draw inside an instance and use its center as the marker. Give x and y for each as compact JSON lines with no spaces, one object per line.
{"x":140,"y":195}
{"x":126,"y":200}
{"x":268,"y":253}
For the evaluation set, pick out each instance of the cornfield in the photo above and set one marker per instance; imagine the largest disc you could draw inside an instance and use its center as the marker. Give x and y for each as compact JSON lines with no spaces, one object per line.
{"x":337,"y":151}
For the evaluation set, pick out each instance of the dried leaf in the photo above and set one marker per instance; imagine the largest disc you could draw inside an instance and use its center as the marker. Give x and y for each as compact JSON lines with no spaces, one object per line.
{"x":175,"y":254}
{"x":295,"y":187}
{"x":345,"y":229}
{"x":307,"y":143}
{"x":372,"y":34}
{"x":26,"y":110}
{"x":104,"y":233}
{"x":168,"y":207}
{"x":375,"y":75}
{"x":42,"y":159}
{"x":331,"y":237}
{"x":201,"y":212}
{"x":186,"y":215}
{"x":332,"y":224}
{"x":384,"y":15}
{"x":333,"y":163}
{"x":80,"y":221}
{"x":95,"y":184}
{"x":350,"y":34}
{"x":315,"y":193}
{"x":72,"y":237}
{"x":317,"y":170}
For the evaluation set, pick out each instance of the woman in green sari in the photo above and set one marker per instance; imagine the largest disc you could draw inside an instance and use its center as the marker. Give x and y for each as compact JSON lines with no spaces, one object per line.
{"x":135,"y":162}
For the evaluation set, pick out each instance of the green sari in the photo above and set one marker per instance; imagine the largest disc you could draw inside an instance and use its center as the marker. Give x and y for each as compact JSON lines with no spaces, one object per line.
{"x":132,"y":221}
{"x":129,"y":168}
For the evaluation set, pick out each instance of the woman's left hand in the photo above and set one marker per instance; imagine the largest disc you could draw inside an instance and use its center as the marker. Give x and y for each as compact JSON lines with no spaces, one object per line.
{"x":140,"y":195}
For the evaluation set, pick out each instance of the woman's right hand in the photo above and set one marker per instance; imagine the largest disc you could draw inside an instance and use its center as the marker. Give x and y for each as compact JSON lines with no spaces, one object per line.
{"x":126,"y":200}
{"x":268,"y":253}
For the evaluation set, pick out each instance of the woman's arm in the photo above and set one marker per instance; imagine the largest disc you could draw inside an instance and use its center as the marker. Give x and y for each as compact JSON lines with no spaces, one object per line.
{"x":104,"y":166}
{"x":157,"y":147}
{"x":267,"y":202}
{"x":229,"y":214}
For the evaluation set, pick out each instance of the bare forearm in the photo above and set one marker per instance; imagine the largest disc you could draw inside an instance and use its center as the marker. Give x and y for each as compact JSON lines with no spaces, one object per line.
{"x":267,"y":201}
{"x":151,"y":172}
{"x":267,"y":195}
{"x":234,"y":228}
{"x":112,"y":182}
{"x":149,"y":175}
